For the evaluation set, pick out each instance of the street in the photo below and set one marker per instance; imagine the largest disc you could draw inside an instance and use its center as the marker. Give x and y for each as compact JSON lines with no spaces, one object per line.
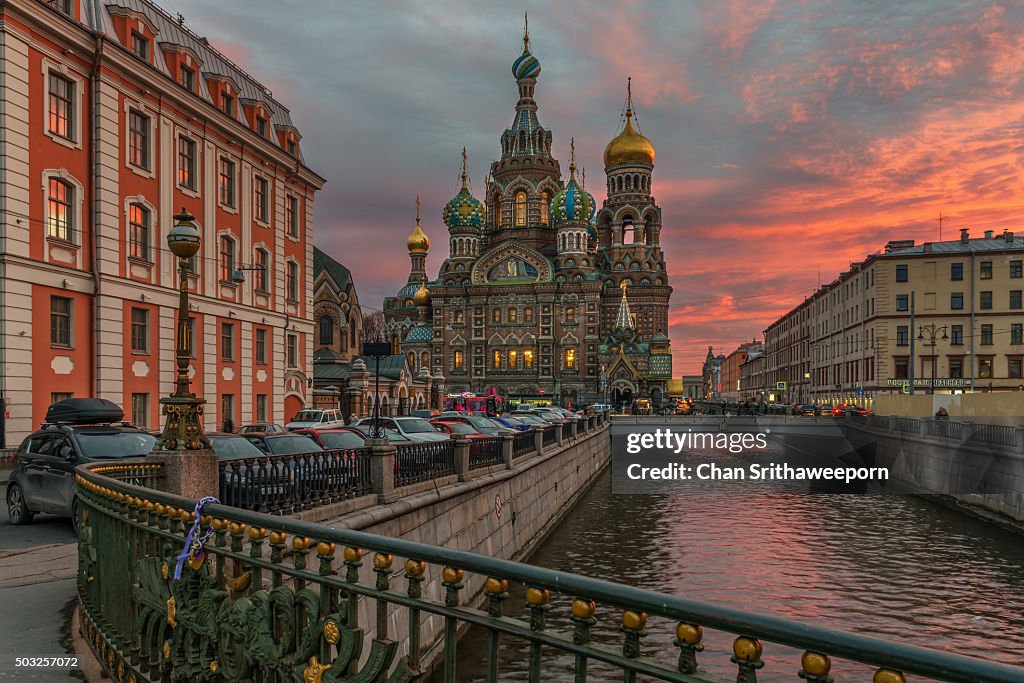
{"x":37,"y":589}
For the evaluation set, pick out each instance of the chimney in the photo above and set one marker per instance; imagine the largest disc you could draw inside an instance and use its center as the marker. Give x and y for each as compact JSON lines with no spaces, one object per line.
{"x":927,"y":247}
{"x":1008,"y":236}
{"x":988,"y":234}
{"x":964,"y":236}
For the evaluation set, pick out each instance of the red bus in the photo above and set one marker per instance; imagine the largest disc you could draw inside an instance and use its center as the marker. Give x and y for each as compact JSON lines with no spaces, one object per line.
{"x":468,"y":402}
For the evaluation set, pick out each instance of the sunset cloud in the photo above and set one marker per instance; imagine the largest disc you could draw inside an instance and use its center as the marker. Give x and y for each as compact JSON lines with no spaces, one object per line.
{"x":792,"y":137}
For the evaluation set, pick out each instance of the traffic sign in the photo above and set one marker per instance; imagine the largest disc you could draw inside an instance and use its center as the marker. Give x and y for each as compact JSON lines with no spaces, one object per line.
{"x":905,"y":389}
{"x":780,"y":386}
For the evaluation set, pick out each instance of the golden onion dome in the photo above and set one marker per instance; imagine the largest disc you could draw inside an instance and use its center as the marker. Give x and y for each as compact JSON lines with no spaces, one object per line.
{"x":418,"y":241}
{"x":422,"y":295}
{"x":629,"y":146}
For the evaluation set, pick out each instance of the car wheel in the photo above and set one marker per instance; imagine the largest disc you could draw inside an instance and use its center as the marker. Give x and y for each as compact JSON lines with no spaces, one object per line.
{"x":17,"y":508}
{"x":74,"y":515}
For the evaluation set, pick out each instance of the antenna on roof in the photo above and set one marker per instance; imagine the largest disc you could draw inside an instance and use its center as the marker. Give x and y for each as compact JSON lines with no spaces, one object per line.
{"x":940,"y":225}
{"x":181,"y":19}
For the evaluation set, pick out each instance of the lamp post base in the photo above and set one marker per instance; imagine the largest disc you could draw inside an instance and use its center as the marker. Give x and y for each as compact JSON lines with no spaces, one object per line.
{"x":183,"y":428}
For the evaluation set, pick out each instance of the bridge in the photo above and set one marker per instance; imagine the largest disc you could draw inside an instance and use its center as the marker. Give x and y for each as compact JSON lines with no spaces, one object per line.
{"x":267,"y":595}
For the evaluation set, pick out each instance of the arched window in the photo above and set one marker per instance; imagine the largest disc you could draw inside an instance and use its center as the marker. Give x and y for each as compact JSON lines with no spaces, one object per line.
{"x":138,"y":231}
{"x":570,"y":314}
{"x":59,"y":222}
{"x":424,"y":360}
{"x":519,"y":218}
{"x":291,"y":281}
{"x":512,"y":315}
{"x":496,"y":315}
{"x":412,"y":360}
{"x":527,"y":315}
{"x":628,"y":234}
{"x":326,"y":330}
{"x":629,"y":182}
{"x":522,"y":141}
{"x":636,"y":182}
{"x":528,"y":359}
{"x":545,"y":205}
{"x":513,"y":359}
{"x":497,"y":359}
{"x":227,"y":259}
{"x":458,"y":316}
{"x":618,"y":183}
{"x":352,"y":332}
{"x":394,"y":345}
{"x":570,"y":359}
{"x":579,"y":242}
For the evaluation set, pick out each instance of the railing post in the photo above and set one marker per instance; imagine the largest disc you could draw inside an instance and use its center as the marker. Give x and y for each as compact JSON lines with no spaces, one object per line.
{"x":558,"y":434}
{"x":190,"y":474}
{"x":538,"y":439}
{"x":574,"y":428}
{"x":1020,"y":438}
{"x":922,"y":426}
{"x":461,"y":455}
{"x":891,"y":427}
{"x":507,"y":441}
{"x":382,"y":468}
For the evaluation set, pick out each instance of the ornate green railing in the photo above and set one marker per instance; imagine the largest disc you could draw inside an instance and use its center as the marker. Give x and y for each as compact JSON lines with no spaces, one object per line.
{"x":269,"y":599}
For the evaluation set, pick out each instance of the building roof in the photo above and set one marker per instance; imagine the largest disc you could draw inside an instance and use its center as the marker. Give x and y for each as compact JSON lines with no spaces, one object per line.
{"x":390,"y":367}
{"x":974,"y":244}
{"x":96,"y":14}
{"x":322,"y":262}
{"x":422,"y":332}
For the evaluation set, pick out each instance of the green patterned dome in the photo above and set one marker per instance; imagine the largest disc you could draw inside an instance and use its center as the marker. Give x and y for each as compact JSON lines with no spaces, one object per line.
{"x":573,"y":203}
{"x":464,"y":211}
{"x":526,"y":65}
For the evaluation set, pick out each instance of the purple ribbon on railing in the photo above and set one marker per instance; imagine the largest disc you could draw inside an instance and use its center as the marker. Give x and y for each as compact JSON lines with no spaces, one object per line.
{"x":194,"y":545}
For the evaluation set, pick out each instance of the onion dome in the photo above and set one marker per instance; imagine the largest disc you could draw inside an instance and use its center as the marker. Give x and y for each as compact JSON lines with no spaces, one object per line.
{"x":629,"y":146}
{"x":526,"y":66}
{"x":418,"y":242}
{"x":573,"y":203}
{"x":422,"y":295}
{"x":464,"y":210}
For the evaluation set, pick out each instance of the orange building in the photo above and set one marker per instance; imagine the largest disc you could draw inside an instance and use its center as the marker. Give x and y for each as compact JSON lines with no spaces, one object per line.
{"x":115,"y":116}
{"x":731,"y":370}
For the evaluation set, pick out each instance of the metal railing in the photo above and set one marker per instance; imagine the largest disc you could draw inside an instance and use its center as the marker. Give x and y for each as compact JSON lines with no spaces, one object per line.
{"x":147,"y":475}
{"x":907,"y":425}
{"x":1003,"y":435}
{"x":523,"y":443}
{"x":418,"y":462}
{"x":549,"y":436}
{"x":243,"y":608}
{"x":286,"y":483}
{"x":485,"y":452}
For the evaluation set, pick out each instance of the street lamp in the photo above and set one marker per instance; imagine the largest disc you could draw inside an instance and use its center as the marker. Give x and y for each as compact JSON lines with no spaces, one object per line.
{"x":932,"y":331}
{"x":183,"y":427}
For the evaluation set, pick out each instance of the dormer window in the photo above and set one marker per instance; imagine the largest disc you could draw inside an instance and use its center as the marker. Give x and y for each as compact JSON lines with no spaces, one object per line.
{"x":140,"y":45}
{"x":261,"y":126}
{"x":187,"y":78}
{"x":63,"y":5}
{"x":227,"y":104}
{"x":291,"y":146}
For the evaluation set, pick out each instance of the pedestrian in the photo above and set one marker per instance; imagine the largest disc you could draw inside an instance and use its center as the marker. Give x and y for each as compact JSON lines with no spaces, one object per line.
{"x":352,"y":419}
{"x":229,"y":425}
{"x":942,"y":413}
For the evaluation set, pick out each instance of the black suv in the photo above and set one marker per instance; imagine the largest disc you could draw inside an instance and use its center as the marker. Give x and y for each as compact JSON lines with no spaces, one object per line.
{"x":76,"y":431}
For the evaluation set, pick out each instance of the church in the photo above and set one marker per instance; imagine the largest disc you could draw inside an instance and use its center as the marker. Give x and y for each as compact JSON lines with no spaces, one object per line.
{"x":544,"y":296}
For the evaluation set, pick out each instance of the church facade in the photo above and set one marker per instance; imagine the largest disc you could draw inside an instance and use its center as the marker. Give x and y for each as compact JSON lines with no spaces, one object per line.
{"x":544,"y":296}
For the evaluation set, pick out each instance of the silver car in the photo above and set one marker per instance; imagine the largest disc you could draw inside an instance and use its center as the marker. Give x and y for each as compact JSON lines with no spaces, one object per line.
{"x":414,"y":428}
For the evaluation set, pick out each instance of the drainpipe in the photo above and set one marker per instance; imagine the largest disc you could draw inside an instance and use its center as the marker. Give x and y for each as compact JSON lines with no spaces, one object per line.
{"x":972,"y":361}
{"x":94,"y":110}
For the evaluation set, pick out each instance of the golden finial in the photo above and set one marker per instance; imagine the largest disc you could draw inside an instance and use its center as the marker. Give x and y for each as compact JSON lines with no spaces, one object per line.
{"x":572,"y":157}
{"x":417,"y":209}
{"x":629,"y":96}
{"x":465,"y":175}
{"x":526,"y":31}
{"x":624,"y":285}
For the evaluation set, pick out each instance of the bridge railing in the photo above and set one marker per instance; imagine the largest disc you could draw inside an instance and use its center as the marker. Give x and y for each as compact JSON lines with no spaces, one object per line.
{"x":549,"y":436}
{"x":288,"y":483}
{"x":485,"y":452}
{"x":523,"y":443}
{"x":263,"y":597}
{"x":1002,"y":435}
{"x":418,"y":462}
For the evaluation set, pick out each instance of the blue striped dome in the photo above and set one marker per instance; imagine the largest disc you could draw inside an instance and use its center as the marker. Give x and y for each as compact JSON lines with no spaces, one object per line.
{"x":526,"y":66}
{"x":573,"y":203}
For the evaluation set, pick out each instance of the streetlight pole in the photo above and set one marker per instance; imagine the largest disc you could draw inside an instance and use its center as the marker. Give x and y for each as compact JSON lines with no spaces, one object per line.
{"x":911,"y":334}
{"x":183,"y":427}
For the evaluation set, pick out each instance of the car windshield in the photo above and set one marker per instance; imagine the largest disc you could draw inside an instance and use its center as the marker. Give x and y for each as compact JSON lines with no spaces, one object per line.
{"x":481,"y":422}
{"x":461,"y":428}
{"x":115,"y":444}
{"x":415,"y":425}
{"x":508,"y":419}
{"x":292,"y":444}
{"x":341,"y":440}
{"x":531,"y":419}
{"x":308,"y":416}
{"x":232,"y":447}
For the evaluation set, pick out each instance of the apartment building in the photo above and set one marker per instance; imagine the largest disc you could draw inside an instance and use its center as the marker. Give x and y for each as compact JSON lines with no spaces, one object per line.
{"x":115,"y":117}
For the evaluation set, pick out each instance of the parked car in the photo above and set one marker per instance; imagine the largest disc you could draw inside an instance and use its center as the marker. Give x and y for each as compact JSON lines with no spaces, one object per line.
{"x":416,"y":428}
{"x":485,"y":425}
{"x":512,"y":422}
{"x":426,"y":413}
{"x":453,"y":427}
{"x":343,"y":438}
{"x":807,"y":410}
{"x":76,"y":431}
{"x":546,"y":418}
{"x":283,"y":444}
{"x":268,"y":427}
{"x":530,"y":418}
{"x":391,"y":435}
{"x":316,"y":419}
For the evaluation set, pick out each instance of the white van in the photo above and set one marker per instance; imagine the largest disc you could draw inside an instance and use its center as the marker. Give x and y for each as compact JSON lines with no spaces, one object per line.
{"x":316,"y":419}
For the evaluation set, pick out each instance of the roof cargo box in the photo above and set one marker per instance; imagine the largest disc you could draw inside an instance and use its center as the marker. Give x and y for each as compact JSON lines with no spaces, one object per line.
{"x":84,"y":411}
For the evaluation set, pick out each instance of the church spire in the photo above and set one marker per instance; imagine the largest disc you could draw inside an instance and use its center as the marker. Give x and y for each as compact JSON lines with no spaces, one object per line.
{"x":526,"y":31}
{"x":465,"y":174}
{"x":624,"y":321}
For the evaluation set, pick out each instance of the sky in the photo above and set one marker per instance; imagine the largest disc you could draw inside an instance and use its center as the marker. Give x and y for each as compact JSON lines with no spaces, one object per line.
{"x":792,"y":137}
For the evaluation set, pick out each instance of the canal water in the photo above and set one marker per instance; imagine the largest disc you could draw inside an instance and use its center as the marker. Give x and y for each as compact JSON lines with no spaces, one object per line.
{"x":897,"y":567}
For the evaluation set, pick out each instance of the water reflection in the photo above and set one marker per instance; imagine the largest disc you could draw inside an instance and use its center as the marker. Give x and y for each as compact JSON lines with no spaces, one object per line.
{"x":896,"y":567}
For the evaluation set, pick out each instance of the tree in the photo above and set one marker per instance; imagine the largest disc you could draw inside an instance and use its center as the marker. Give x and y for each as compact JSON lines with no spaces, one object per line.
{"x":373,"y":327}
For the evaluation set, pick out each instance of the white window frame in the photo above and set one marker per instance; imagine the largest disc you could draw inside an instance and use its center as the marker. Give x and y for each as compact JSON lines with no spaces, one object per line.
{"x":290,"y":261}
{"x":235,"y":184}
{"x":288,"y":198}
{"x":197,"y":165}
{"x":77,"y":205}
{"x":64,"y":71}
{"x":154,"y":228}
{"x":267,"y":196}
{"x":129,"y":106}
